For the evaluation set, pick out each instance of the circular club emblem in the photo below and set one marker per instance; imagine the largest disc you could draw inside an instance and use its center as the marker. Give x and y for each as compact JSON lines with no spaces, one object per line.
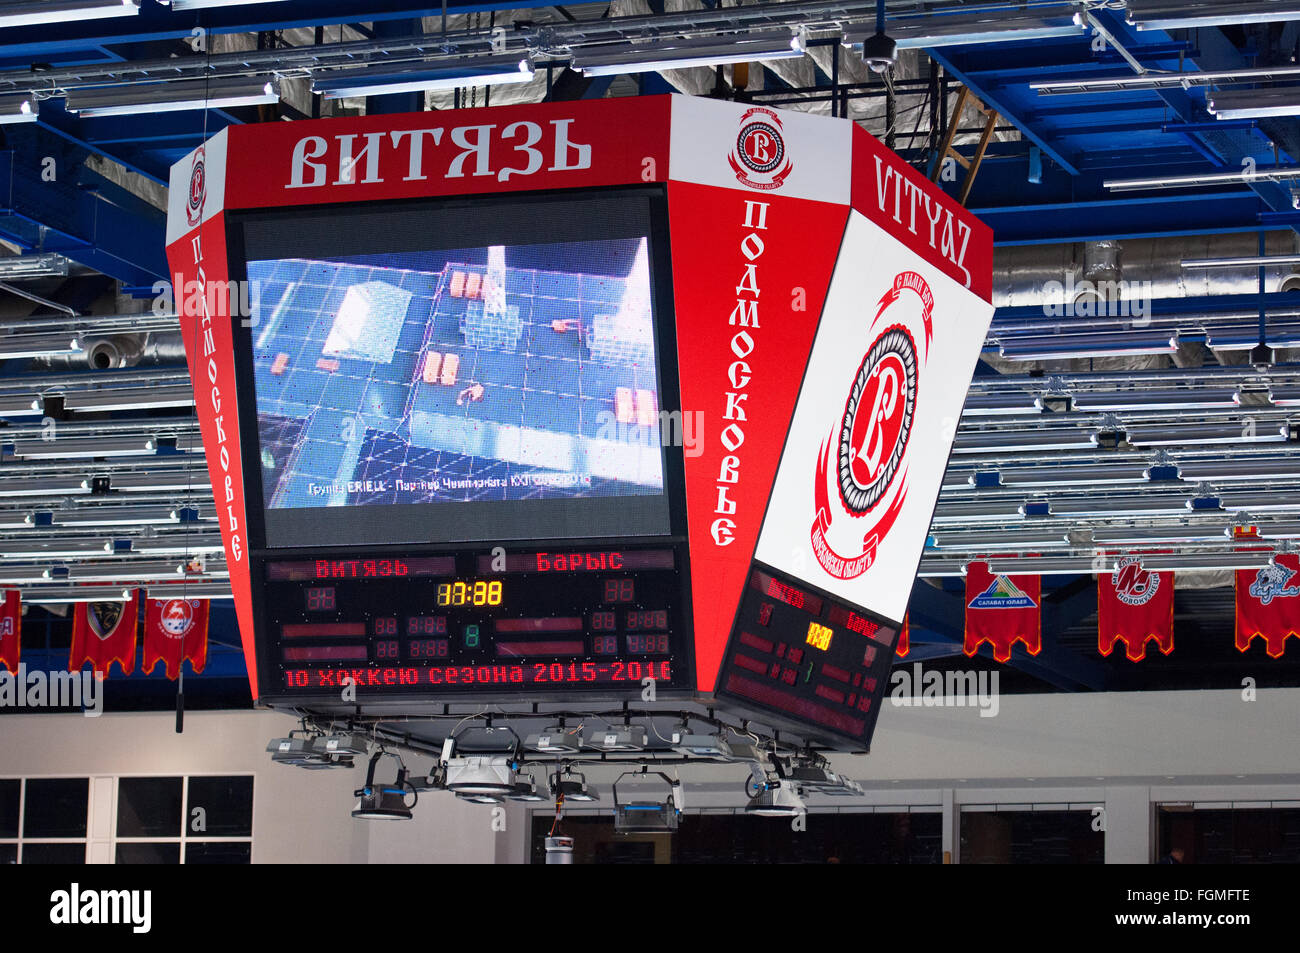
{"x":877,"y":420}
{"x":760,"y":146}
{"x":177,"y":617}
{"x":1134,"y":586}
{"x":198,"y":190}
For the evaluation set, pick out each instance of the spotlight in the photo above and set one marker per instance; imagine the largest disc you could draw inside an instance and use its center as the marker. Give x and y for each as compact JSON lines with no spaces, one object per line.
{"x":559,"y":850}
{"x":302,"y":752}
{"x":700,"y":746}
{"x":352,"y":743}
{"x":776,"y":799}
{"x":572,"y":787}
{"x":818,"y":777}
{"x":622,"y":738}
{"x":557,"y":740}
{"x":526,"y":790}
{"x":479,"y":798}
{"x":383,"y":802}
{"x":493,"y":776}
{"x":647,"y":815}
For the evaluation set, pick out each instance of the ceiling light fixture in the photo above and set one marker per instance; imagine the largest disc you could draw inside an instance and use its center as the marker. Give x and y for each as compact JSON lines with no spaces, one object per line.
{"x":64,"y":11}
{"x":1182,"y":15}
{"x":1202,"y":179}
{"x":620,"y":59}
{"x":422,"y":77}
{"x":218,"y":93}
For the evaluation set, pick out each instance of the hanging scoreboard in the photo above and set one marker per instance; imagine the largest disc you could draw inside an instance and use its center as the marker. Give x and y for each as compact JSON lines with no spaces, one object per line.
{"x":541,"y":403}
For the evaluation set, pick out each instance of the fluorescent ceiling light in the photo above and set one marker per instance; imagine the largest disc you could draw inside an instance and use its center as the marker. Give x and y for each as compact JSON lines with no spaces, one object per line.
{"x":1255,"y":103}
{"x":172,"y":96}
{"x":942,"y":568}
{"x":38,"y":345}
{"x":18,"y":109}
{"x":177,"y":545}
{"x":1071,"y":476}
{"x":1103,"y":507}
{"x":64,"y":11}
{"x":1047,"y":565}
{"x":1198,"y":434}
{"x":1206,"y":561}
{"x":140,"y":570}
{"x":1183,"y":14}
{"x":46,"y":486}
{"x":954,"y":30}
{"x":115,"y":516}
{"x":203,"y":4}
{"x":88,"y":447}
{"x":384,"y":81}
{"x":1025,"y":440}
{"x":54,"y":549}
{"x":161,"y":481}
{"x":129,"y":398}
{"x":1245,"y":469}
{"x":1157,"y":80}
{"x":1208,"y":178}
{"x":1153,"y":536}
{"x":620,"y":59}
{"x":1186,"y":399}
{"x":48,"y":265}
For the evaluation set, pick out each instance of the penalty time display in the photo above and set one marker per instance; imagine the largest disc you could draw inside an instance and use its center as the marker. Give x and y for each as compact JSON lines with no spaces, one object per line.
{"x":546,"y":403}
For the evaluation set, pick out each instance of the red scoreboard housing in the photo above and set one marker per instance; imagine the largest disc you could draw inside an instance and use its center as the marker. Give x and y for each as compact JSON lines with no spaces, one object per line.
{"x":541,"y":403}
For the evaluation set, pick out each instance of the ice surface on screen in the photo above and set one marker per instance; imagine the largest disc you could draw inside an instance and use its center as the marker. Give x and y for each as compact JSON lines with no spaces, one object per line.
{"x":499,"y":373}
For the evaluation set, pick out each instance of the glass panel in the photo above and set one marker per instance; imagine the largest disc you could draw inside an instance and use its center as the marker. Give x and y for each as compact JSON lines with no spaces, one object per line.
{"x":54,"y":853}
{"x":1030,"y":837}
{"x":149,"y":807}
{"x":8,"y":853}
{"x":218,"y":852}
{"x":148,"y":853}
{"x":227,"y":804}
{"x":55,"y":807}
{"x":9,"y":792}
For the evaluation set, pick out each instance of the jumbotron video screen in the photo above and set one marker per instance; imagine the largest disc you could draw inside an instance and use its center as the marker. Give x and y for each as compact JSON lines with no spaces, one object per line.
{"x":507,"y":388}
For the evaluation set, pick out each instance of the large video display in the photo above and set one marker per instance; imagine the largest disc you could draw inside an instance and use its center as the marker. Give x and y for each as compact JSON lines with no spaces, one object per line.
{"x":451,"y":371}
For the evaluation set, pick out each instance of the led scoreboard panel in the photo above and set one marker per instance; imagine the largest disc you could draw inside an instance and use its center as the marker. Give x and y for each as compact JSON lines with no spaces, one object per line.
{"x":538,"y":403}
{"x":539,"y":623}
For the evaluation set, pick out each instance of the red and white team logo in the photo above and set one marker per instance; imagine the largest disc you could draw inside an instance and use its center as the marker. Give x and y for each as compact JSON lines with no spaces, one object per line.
{"x":177,"y":618}
{"x":1134,"y":586}
{"x":871,"y":439}
{"x":759,"y":158}
{"x":198,"y":190}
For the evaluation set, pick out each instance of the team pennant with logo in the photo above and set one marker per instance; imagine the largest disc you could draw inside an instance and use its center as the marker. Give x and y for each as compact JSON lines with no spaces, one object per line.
{"x":175,"y":630}
{"x":1135,"y":606}
{"x":1002,"y":610}
{"x":1268,"y":604}
{"x":103,"y":633}
{"x":11,"y":623}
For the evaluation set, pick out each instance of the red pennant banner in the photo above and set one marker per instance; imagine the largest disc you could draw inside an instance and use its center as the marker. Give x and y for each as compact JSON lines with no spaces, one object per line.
{"x":1135,"y":606}
{"x":174,"y":630}
{"x":904,"y":639}
{"x":102,"y":633}
{"x":11,"y":625}
{"x":1268,"y":604}
{"x":1002,"y":610}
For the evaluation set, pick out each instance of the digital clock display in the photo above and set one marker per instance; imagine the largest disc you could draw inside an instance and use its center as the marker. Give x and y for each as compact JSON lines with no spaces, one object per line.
{"x":474,"y":592}
{"x":446,"y":624}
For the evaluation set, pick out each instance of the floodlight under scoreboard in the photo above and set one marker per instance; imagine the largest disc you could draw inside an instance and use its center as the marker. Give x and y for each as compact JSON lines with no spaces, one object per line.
{"x":539,"y":403}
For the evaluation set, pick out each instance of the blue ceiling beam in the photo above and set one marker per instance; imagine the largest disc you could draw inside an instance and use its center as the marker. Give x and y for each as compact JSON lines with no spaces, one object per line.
{"x":992,"y":98}
{"x":53,"y":202}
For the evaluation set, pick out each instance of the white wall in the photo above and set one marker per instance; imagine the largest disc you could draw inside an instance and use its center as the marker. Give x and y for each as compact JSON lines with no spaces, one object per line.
{"x":1123,"y":751}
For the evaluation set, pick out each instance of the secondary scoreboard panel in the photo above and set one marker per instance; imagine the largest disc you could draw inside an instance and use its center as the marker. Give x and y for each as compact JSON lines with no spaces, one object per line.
{"x":534,"y":623}
{"x":798,"y":656}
